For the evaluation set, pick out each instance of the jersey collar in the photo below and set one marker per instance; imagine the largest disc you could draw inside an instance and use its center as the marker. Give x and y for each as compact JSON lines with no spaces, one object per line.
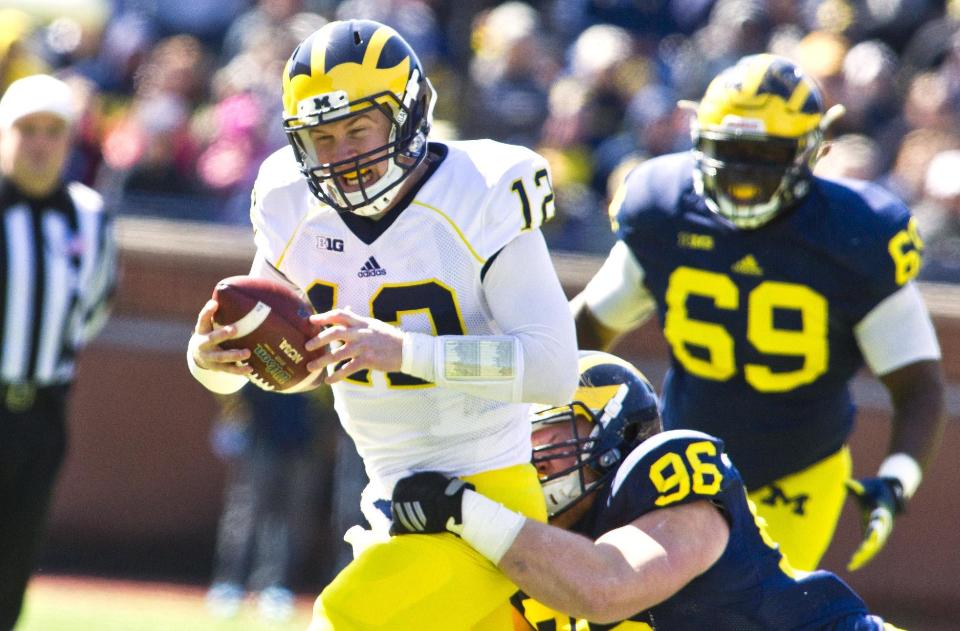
{"x":369,"y":230}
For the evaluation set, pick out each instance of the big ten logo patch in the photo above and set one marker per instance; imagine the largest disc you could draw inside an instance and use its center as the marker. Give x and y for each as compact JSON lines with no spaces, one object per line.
{"x":330,"y":244}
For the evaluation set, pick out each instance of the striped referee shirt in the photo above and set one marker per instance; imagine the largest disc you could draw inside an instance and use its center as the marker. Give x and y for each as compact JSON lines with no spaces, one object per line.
{"x":57,"y":275}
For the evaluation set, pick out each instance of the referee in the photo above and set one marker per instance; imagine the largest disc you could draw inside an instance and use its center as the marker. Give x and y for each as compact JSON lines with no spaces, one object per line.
{"x":57,"y":272}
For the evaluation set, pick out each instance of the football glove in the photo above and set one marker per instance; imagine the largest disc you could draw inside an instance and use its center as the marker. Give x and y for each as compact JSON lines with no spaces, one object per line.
{"x":880,"y":499}
{"x":428,"y":502}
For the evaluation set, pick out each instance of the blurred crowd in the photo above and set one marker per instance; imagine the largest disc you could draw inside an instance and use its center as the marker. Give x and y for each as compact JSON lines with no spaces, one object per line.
{"x":183,"y":99}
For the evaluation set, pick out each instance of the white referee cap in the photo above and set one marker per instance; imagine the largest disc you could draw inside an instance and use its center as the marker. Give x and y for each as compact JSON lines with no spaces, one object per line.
{"x":34,"y":94}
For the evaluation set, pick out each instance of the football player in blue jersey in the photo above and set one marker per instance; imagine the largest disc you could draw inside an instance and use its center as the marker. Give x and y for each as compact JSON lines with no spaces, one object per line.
{"x":773,"y":288}
{"x":659,"y":523}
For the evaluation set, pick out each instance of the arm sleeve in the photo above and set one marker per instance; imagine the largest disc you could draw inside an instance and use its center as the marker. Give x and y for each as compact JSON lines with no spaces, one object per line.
{"x":897,"y":332}
{"x":616,"y":295}
{"x":538,"y":340}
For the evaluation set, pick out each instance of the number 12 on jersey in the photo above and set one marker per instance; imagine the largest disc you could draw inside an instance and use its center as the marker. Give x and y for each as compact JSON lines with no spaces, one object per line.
{"x":542,"y":187}
{"x":391,"y":301}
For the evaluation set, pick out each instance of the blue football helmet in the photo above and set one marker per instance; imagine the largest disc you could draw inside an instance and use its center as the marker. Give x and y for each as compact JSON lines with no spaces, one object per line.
{"x":622,"y":409}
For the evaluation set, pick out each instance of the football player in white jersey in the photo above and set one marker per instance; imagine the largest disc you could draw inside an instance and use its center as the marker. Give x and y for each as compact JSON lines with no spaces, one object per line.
{"x":443,"y":314}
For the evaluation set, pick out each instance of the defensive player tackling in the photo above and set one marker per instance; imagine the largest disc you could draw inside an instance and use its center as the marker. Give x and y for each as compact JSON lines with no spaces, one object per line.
{"x":661,"y":533}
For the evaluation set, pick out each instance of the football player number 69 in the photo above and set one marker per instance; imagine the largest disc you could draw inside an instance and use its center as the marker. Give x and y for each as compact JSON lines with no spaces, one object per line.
{"x":717,"y":362}
{"x":809,"y":343}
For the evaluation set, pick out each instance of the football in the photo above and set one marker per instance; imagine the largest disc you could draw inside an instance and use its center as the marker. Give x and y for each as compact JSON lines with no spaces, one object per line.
{"x":272,"y":321}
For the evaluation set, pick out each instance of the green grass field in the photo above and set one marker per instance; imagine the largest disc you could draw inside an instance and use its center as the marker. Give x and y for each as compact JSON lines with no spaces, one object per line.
{"x":83,"y":604}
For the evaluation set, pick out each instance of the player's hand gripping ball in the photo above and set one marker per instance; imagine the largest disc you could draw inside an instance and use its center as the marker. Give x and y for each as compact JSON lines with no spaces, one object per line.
{"x":273,"y":322}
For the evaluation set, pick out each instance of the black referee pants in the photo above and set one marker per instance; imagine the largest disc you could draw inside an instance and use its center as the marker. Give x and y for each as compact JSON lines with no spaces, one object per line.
{"x":33,"y":443}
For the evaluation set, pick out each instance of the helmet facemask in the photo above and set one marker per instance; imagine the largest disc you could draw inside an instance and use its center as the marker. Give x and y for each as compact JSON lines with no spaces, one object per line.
{"x":749,"y":180}
{"x":404,"y":150}
{"x":565,"y":488}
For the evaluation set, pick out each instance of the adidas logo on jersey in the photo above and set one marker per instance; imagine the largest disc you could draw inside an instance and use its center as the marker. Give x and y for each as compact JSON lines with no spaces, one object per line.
{"x":371,"y":268}
{"x":747,"y":266}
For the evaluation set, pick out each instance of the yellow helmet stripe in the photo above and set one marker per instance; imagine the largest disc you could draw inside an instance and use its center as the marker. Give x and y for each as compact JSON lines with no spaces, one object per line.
{"x":318,"y":52}
{"x":375,"y":47}
{"x":595,"y":397}
{"x":799,"y":96}
{"x":753,"y":77}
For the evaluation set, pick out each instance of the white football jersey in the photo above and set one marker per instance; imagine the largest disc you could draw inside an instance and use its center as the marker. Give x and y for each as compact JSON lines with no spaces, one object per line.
{"x":419,"y":267}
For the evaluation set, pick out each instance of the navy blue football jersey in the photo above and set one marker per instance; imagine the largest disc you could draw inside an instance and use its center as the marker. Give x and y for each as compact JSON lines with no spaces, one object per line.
{"x":760,"y":322}
{"x":750,"y":587}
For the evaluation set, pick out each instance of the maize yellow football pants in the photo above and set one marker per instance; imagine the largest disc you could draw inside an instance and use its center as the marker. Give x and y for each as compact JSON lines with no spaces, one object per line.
{"x":427,"y":582}
{"x":802,"y":509}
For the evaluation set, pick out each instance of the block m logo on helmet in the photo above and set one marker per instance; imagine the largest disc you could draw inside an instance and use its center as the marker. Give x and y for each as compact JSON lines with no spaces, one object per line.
{"x":313,"y":110}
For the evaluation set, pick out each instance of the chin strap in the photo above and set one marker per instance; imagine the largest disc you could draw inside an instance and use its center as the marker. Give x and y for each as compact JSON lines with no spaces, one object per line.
{"x":561,"y":493}
{"x":380,"y":201}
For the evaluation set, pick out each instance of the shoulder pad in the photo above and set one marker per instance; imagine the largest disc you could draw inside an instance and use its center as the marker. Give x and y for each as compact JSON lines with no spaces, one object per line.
{"x":278,"y":202}
{"x":872,"y":231}
{"x":508,"y":189}
{"x":673,"y":467}
{"x":651,"y":193}
{"x":279,"y":169}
